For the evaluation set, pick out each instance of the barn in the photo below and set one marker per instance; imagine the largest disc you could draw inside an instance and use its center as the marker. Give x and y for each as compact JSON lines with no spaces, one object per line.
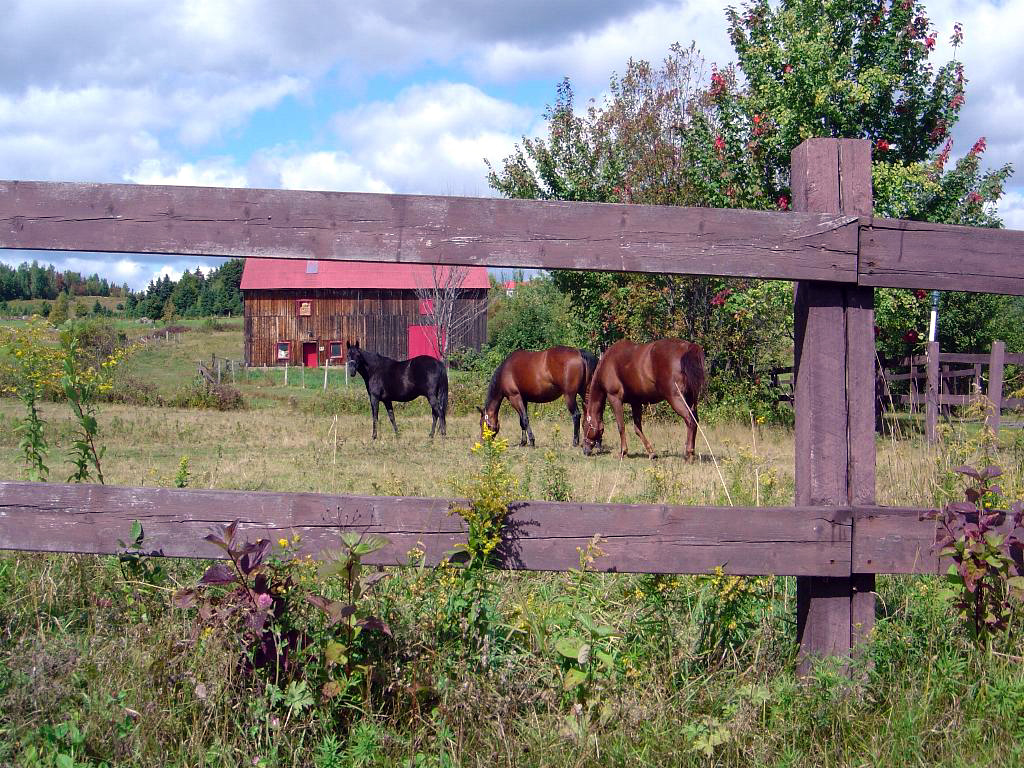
{"x":302,"y":312}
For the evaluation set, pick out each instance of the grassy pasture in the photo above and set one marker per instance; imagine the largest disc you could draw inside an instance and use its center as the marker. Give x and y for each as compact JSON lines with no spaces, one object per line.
{"x":97,"y":667}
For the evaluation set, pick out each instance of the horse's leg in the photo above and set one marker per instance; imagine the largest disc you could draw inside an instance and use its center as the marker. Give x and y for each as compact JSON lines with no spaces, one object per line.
{"x":638,"y":415}
{"x":519,"y":404}
{"x":617,"y":410}
{"x":688,"y":411}
{"x":374,"y":406}
{"x":391,"y":415}
{"x":570,"y":403}
{"x":433,"y":423}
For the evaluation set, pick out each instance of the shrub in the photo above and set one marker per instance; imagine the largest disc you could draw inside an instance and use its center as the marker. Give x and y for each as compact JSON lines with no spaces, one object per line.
{"x":214,"y":397}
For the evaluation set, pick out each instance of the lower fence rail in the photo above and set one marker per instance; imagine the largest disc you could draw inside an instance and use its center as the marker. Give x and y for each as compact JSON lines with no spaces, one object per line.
{"x":543,"y":536}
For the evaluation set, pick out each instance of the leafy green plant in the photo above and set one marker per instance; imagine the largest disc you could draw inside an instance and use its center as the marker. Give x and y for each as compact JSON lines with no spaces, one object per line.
{"x":309,"y":659}
{"x":346,"y":653}
{"x":731,"y":608}
{"x":137,"y":565}
{"x":30,"y":371}
{"x":554,"y":479}
{"x":471,"y":610}
{"x":81,"y":385}
{"x":586,"y":662}
{"x":987,"y":572}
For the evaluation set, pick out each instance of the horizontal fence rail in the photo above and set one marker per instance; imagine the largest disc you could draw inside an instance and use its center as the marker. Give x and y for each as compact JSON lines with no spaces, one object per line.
{"x":539,"y":536}
{"x":273,"y":223}
{"x":426,"y":229}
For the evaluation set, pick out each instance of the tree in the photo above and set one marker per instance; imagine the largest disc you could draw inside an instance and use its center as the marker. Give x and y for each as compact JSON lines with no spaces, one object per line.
{"x":533,"y":317}
{"x":858,"y":69}
{"x":60,"y":310}
{"x":840,"y":68}
{"x":633,"y":148}
{"x":443,"y":304}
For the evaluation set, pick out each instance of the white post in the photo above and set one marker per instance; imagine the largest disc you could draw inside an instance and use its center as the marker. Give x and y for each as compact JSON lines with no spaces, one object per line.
{"x":327,"y":364}
{"x":933,"y":322}
{"x":218,"y":370}
{"x":286,"y":373}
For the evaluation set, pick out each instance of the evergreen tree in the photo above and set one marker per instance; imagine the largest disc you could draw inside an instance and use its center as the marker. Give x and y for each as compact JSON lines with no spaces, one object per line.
{"x":60,"y":310}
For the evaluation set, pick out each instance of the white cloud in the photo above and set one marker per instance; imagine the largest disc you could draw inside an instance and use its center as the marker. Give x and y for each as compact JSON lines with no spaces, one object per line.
{"x":589,"y":57}
{"x":217,"y":172}
{"x":992,"y":57}
{"x":328,"y":170}
{"x":433,"y":138}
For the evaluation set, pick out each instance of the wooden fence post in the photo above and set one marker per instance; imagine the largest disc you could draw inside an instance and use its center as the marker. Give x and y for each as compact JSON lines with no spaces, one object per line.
{"x":834,"y":370}
{"x":995,"y":383}
{"x":932,"y":391}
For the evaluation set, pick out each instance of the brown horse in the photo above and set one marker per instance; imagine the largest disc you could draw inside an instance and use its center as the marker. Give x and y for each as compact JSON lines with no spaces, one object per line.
{"x":526,"y":377}
{"x":638,"y":374}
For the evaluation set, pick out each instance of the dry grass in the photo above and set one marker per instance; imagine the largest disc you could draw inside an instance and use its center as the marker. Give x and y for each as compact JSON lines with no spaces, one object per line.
{"x":290,"y":449}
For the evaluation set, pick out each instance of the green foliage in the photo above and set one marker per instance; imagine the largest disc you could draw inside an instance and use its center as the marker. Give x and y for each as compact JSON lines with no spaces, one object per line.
{"x":731,"y":609}
{"x":60,"y":310}
{"x":199,"y":393}
{"x":534,"y":317}
{"x":986,"y":576}
{"x":324,"y":659}
{"x":81,"y":386}
{"x":30,"y":369}
{"x":555,"y":484}
{"x":489,"y":492}
{"x":585,"y":662}
{"x":470,"y":612}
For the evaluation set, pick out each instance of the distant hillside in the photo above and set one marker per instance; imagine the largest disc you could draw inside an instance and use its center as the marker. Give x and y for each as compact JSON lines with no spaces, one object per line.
{"x":195,"y":294}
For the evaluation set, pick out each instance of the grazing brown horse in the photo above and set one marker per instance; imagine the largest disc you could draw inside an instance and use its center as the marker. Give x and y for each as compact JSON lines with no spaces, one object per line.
{"x":638,"y":374}
{"x":526,"y":377}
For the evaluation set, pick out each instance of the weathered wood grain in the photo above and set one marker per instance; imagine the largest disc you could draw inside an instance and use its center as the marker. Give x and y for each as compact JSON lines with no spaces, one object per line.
{"x":823,"y":467}
{"x":898,"y":540}
{"x":51,"y":517}
{"x":426,"y":229}
{"x":914,"y":254}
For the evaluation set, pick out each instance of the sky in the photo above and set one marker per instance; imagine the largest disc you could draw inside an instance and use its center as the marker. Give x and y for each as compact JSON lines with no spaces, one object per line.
{"x":403,"y":96}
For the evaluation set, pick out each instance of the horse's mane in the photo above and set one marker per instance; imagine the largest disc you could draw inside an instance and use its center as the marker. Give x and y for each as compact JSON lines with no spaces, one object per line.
{"x":492,"y":388}
{"x":375,"y":359}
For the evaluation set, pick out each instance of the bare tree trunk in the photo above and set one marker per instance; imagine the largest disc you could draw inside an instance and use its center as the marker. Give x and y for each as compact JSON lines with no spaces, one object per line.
{"x":441,"y":307}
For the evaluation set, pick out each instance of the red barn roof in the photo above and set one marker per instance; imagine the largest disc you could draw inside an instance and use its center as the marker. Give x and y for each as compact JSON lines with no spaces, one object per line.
{"x":268,"y":274}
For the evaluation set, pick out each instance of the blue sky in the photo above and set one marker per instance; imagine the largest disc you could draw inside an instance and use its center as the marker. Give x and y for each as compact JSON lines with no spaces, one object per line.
{"x":391,"y":96}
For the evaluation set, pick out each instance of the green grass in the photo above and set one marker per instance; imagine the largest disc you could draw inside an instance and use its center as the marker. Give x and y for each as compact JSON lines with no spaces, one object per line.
{"x":97,"y":666}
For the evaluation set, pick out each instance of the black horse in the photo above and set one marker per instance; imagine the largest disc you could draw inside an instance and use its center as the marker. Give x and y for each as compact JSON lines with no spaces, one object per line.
{"x":390,"y":380}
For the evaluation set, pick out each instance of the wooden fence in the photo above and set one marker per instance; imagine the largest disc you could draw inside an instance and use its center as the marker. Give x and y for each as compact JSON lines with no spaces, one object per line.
{"x":224,"y":369}
{"x":834,"y":540}
{"x":935,"y":384}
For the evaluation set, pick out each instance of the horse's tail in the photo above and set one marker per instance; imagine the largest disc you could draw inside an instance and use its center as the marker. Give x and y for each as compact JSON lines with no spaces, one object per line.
{"x":442,"y":390}
{"x":589,"y":366}
{"x":692,"y":366}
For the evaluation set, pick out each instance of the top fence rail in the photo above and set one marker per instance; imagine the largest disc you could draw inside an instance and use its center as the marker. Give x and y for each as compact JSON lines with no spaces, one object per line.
{"x":263,"y":223}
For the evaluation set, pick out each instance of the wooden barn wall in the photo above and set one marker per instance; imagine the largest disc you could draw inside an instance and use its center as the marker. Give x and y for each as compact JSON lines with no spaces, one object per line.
{"x":379,"y":319}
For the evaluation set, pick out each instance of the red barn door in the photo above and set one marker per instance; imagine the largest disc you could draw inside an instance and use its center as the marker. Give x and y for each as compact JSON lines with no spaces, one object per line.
{"x":423,"y":341}
{"x":309,"y":354}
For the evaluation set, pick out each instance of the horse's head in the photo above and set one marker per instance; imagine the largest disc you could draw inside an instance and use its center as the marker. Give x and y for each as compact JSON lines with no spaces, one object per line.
{"x":593,"y":433}
{"x":488,"y":420}
{"x":355,"y":357}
